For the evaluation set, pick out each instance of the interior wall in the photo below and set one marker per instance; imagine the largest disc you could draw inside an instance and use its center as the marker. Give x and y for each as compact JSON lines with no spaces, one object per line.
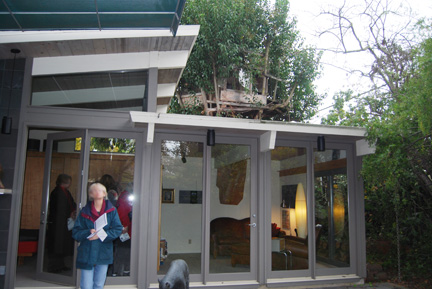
{"x":189,"y":214}
{"x":278,"y":182}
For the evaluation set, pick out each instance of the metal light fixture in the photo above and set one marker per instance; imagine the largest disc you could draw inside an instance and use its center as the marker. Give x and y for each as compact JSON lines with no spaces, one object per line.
{"x":321,"y":143}
{"x":211,"y":140}
{"x":7,"y":120}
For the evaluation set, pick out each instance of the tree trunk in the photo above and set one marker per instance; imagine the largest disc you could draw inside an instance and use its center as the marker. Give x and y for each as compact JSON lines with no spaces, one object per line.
{"x":265,"y":81}
{"x":204,"y":100}
{"x":216,"y":89}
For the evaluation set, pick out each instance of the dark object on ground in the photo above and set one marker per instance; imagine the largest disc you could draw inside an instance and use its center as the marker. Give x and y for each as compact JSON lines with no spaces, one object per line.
{"x":177,"y":276}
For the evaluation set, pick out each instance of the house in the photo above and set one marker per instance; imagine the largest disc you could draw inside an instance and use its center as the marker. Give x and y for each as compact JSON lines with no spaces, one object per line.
{"x":245,"y":203}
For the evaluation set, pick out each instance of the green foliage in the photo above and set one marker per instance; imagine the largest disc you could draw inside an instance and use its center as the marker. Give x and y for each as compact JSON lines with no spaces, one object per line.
{"x":113,"y":145}
{"x":235,"y":38}
{"x":398,"y":176}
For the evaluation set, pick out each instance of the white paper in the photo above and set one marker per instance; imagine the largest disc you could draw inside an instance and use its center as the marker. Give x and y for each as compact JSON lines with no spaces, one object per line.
{"x":102,"y":234}
{"x":99,"y":224}
{"x":124,"y":237}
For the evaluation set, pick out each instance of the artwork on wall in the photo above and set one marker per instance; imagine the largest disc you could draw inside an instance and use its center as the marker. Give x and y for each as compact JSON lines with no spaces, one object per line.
{"x":190,"y":197}
{"x":289,"y":195}
{"x":168,"y":196}
{"x":286,"y":221}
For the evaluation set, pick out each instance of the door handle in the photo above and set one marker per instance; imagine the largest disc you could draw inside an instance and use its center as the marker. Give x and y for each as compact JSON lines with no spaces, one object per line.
{"x":253,"y":225}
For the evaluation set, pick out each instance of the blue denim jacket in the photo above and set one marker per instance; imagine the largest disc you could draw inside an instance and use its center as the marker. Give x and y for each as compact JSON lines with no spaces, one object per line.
{"x":95,"y":252}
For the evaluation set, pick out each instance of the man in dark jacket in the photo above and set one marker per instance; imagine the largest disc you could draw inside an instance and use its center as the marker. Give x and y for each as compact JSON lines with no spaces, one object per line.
{"x":61,"y":206}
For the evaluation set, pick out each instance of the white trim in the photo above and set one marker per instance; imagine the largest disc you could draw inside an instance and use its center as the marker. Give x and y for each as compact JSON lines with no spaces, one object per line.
{"x":243,"y":124}
{"x":166,"y":89}
{"x":66,"y":35}
{"x":267,"y":141}
{"x":363,"y":148}
{"x":109,"y":62}
{"x":150,"y":132}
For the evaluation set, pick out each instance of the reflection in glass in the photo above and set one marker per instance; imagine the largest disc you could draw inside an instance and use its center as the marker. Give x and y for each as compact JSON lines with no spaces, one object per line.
{"x":331,"y":199}
{"x":289,"y":243}
{"x":102,"y":90}
{"x":180,"y":233}
{"x":112,"y":162}
{"x":59,"y":245}
{"x":230,"y":209}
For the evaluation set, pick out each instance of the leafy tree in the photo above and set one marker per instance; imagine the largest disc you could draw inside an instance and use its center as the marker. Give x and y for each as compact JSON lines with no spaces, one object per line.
{"x":396,"y":110}
{"x":253,"y":46}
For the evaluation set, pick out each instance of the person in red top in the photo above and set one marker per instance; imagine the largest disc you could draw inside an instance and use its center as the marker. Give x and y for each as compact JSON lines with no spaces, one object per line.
{"x":121,"y":266}
{"x":61,"y":206}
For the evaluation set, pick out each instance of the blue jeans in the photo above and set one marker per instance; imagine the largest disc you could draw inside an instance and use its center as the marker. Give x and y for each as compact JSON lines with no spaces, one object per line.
{"x":94,"y":278}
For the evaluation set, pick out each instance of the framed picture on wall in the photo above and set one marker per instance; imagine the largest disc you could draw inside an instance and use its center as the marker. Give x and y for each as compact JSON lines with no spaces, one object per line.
{"x":168,"y":196}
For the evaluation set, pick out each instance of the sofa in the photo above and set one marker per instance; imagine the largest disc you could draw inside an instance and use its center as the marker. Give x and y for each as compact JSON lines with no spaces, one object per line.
{"x":297,"y":250}
{"x":226,"y":233}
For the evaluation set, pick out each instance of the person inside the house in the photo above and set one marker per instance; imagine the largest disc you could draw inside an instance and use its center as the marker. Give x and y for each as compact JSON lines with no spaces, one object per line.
{"x":111,"y":187}
{"x":95,"y":251}
{"x":122,"y":246}
{"x":121,"y":264}
{"x":61,"y":210}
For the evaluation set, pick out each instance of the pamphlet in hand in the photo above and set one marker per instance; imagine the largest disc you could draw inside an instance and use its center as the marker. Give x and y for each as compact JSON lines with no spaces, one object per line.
{"x":124,"y":237}
{"x":99,"y":224}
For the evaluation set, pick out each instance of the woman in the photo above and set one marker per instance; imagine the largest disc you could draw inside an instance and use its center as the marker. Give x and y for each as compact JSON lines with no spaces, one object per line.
{"x":94,"y":255}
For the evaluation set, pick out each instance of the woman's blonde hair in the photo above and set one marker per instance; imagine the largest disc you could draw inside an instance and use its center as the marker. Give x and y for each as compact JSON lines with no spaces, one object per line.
{"x":97,"y":185}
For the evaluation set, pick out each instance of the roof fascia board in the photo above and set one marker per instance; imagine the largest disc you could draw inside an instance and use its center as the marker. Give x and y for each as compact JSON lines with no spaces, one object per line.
{"x":109,"y":62}
{"x":67,"y":35}
{"x":243,"y":124}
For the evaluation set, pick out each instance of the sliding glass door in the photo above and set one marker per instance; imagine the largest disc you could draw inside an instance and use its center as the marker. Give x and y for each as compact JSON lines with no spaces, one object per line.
{"x":207,"y":208}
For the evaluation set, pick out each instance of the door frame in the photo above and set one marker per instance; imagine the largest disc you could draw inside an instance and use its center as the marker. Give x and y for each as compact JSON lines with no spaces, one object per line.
{"x":40,"y":273}
{"x":154,"y":200}
{"x":136,"y":241}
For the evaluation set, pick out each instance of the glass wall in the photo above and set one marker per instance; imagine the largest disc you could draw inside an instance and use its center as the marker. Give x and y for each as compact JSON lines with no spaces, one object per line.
{"x":123,"y":91}
{"x":289,"y":245}
{"x":331,"y":207}
{"x":112,"y":162}
{"x":64,"y":190}
{"x":180,"y":225}
{"x":230,"y":208}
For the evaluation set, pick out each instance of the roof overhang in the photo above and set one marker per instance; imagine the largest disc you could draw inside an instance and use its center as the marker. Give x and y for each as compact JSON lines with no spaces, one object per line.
{"x":267,"y":130}
{"x":24,"y":15}
{"x":72,"y":51}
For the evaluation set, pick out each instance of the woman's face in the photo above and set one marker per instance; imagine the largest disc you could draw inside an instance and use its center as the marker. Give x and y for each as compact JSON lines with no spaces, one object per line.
{"x":97,"y":193}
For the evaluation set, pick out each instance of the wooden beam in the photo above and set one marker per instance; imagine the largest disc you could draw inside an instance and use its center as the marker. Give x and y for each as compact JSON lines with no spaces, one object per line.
{"x":330,"y":165}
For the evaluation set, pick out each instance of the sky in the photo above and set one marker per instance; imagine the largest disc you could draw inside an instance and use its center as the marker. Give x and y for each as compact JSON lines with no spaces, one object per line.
{"x":333,"y":78}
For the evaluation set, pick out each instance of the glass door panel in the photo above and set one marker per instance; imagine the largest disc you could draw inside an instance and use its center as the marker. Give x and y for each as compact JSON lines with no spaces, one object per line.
{"x":331,"y":201}
{"x":62,"y":183}
{"x":112,"y":163}
{"x":230,"y":209}
{"x":181,"y":205}
{"x":289,"y":242}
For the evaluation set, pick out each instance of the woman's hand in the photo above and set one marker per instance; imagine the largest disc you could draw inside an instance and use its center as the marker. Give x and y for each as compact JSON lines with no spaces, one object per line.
{"x":95,"y":237}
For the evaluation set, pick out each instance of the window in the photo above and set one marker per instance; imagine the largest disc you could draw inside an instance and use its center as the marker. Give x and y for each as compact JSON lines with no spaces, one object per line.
{"x":289,"y":245}
{"x":331,"y":208}
{"x":123,"y":91}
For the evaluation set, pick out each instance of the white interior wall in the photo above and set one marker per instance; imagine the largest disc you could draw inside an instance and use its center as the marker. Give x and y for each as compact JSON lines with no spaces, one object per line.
{"x":182,"y":222}
{"x":185,"y":237}
{"x":278,"y":182}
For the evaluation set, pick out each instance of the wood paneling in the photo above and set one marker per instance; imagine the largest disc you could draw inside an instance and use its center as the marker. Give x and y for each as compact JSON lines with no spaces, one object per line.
{"x":121,"y":167}
{"x":327,"y":166}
